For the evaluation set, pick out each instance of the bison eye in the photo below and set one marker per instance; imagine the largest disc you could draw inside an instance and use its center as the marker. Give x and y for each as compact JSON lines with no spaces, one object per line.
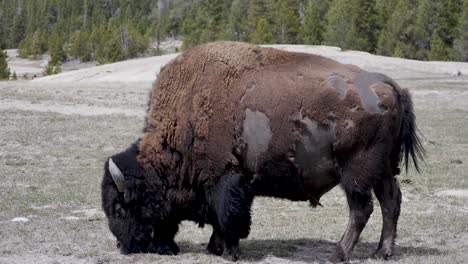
{"x":119,"y":210}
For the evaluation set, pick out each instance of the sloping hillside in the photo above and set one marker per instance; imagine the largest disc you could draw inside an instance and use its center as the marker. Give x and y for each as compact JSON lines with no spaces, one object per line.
{"x":145,"y":69}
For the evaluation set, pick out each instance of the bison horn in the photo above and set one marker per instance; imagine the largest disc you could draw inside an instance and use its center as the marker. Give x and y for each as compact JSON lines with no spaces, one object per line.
{"x":117,"y":176}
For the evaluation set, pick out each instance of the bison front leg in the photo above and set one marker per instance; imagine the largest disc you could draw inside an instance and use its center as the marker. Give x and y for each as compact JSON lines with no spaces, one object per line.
{"x":230,"y":201}
{"x":217,"y":241}
{"x":360,"y":208}
{"x":216,"y":244}
{"x":163,"y":239}
{"x":388,"y":193}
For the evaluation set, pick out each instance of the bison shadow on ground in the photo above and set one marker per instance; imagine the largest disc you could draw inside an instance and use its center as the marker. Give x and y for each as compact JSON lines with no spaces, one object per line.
{"x":308,"y":250}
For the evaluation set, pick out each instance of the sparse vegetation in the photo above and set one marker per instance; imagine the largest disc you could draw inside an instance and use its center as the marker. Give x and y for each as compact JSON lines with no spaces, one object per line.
{"x":54,"y":141}
{"x":52,"y":68}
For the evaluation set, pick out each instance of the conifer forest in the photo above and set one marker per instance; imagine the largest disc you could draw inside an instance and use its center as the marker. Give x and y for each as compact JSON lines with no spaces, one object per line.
{"x":113,"y":30}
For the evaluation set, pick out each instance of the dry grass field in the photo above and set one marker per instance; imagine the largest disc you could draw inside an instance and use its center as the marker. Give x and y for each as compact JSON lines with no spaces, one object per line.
{"x":55,"y":137}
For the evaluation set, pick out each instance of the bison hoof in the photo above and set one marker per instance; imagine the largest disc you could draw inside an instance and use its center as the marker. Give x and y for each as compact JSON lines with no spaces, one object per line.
{"x":233,"y":255}
{"x":163,"y":249}
{"x":338,"y":256}
{"x":336,"y":259}
{"x":175,"y":249}
{"x":215,"y":249}
{"x":382,"y":254}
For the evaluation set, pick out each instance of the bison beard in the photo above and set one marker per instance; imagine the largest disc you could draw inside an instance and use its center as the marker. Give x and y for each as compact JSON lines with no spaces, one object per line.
{"x":228,"y":120}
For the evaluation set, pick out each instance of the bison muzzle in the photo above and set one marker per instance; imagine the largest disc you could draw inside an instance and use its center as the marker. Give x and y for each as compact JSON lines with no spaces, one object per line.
{"x":227,"y":121}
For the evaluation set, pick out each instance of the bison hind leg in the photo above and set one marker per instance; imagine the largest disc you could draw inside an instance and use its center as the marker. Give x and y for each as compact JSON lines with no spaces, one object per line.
{"x":230,"y":202}
{"x":357,"y":176}
{"x":360,"y":209}
{"x":388,"y":193}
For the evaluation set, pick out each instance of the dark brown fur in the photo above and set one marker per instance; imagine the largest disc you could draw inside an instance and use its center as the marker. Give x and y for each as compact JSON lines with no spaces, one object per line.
{"x":293,"y":124}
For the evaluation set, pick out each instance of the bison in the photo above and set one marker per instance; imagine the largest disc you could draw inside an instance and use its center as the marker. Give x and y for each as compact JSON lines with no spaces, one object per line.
{"x":228,"y":121}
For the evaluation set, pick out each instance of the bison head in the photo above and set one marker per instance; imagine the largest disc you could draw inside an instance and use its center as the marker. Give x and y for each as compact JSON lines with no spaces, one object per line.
{"x":132,"y":199}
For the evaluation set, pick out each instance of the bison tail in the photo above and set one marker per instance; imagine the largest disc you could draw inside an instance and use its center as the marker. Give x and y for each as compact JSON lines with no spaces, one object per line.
{"x":410,"y":134}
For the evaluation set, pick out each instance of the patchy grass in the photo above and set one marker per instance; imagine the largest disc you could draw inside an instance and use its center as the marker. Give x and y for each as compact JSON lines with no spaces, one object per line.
{"x":51,"y":168}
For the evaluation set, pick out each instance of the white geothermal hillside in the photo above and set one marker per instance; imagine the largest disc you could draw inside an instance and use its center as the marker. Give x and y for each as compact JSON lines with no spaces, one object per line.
{"x":146,"y":69}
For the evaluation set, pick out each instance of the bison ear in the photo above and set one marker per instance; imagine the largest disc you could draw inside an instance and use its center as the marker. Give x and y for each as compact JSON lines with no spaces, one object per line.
{"x":117,"y":176}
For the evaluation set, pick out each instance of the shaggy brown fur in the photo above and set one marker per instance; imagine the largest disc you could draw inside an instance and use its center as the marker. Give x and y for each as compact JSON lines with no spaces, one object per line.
{"x":195,"y":109}
{"x":294,"y":125}
{"x":198,"y":107}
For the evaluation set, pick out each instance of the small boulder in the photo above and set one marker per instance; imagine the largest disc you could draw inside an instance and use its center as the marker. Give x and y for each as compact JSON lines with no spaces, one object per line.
{"x":456,"y":73}
{"x":20,"y":219}
{"x":70,"y":218}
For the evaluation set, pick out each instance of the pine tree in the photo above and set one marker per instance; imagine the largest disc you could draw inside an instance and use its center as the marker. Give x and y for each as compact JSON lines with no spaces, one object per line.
{"x":24,"y":48}
{"x":237,"y":28}
{"x":262,"y":33}
{"x":7,"y":14}
{"x":81,"y":46}
{"x":286,"y":21}
{"x":18,"y":28}
{"x":189,"y":28}
{"x":435,"y":16}
{"x":138,"y":42}
{"x":208,"y":23}
{"x":14,"y":77}
{"x":449,"y":14}
{"x":399,"y":50}
{"x":4,"y":70}
{"x":49,"y":69}
{"x":3,"y":33}
{"x":352,"y":25}
{"x":36,"y":44}
{"x":384,"y":9}
{"x":98,"y":39}
{"x":259,"y":21}
{"x":55,"y":48}
{"x":339,"y":24}
{"x":438,"y":49}
{"x":57,"y":69}
{"x":398,"y":36}
{"x":112,"y":49}
{"x":426,"y":23}
{"x":215,"y":23}
{"x":461,"y":42}
{"x":364,"y":25}
{"x":313,"y":22}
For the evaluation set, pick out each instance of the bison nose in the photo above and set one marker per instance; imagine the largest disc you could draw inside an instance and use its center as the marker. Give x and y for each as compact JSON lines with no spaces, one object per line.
{"x":118,"y":244}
